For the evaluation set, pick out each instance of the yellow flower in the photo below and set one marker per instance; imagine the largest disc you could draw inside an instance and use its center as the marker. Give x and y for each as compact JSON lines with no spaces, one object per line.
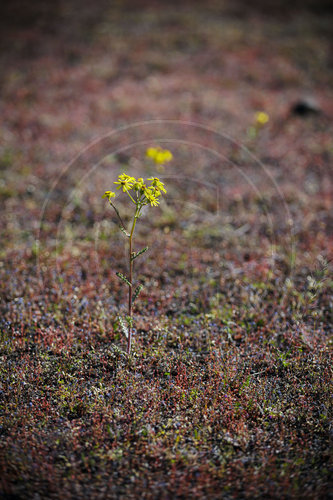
{"x":109,"y":194}
{"x":125,"y":181}
{"x":261,"y":118}
{"x":151,"y":195}
{"x":159,"y":155}
{"x":157,"y":184}
{"x":139,"y":184}
{"x":154,"y":202}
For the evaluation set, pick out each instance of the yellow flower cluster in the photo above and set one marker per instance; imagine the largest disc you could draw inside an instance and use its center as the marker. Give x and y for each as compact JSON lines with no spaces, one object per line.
{"x":144,"y":194}
{"x":159,"y":155}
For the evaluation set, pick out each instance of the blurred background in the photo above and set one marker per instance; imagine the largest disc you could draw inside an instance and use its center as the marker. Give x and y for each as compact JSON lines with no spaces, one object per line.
{"x":73,"y":71}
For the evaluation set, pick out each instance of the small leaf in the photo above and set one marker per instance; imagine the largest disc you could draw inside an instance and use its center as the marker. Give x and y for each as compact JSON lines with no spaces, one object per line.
{"x":140,"y":252}
{"x":124,"y":279}
{"x":124,"y":231}
{"x":136,"y":292}
{"x":123,"y":327}
{"x":129,"y":320}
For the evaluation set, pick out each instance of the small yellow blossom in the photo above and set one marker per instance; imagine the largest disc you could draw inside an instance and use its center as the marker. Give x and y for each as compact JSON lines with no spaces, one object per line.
{"x":109,"y":194}
{"x":261,"y":118}
{"x":125,"y":181}
{"x":151,"y":196}
{"x":139,"y":184}
{"x":159,"y":155}
{"x":156,"y":183}
{"x":154,"y":202}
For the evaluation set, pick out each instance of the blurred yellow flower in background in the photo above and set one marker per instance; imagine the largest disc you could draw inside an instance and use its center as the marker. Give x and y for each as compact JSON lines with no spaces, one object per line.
{"x":159,"y":155}
{"x":261,"y":118}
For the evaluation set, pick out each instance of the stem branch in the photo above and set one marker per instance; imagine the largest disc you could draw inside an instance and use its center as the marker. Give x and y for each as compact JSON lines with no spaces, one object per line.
{"x":118,"y":214}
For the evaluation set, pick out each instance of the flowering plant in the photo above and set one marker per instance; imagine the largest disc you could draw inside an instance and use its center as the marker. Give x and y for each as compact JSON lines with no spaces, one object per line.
{"x":141,"y":194}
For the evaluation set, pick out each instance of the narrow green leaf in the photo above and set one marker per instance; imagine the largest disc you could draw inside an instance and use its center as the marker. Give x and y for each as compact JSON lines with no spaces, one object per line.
{"x":136,"y":292}
{"x":140,"y":252}
{"x":123,"y":327}
{"x":129,"y":320}
{"x":124,"y":279}
{"x":123,"y":231}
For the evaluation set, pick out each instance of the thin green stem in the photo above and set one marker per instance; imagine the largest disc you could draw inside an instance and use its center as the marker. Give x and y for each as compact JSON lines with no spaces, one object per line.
{"x":130,"y":287}
{"x":131,"y":197}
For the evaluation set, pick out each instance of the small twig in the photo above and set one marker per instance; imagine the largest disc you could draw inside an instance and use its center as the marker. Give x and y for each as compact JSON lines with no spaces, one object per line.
{"x":121,"y":221}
